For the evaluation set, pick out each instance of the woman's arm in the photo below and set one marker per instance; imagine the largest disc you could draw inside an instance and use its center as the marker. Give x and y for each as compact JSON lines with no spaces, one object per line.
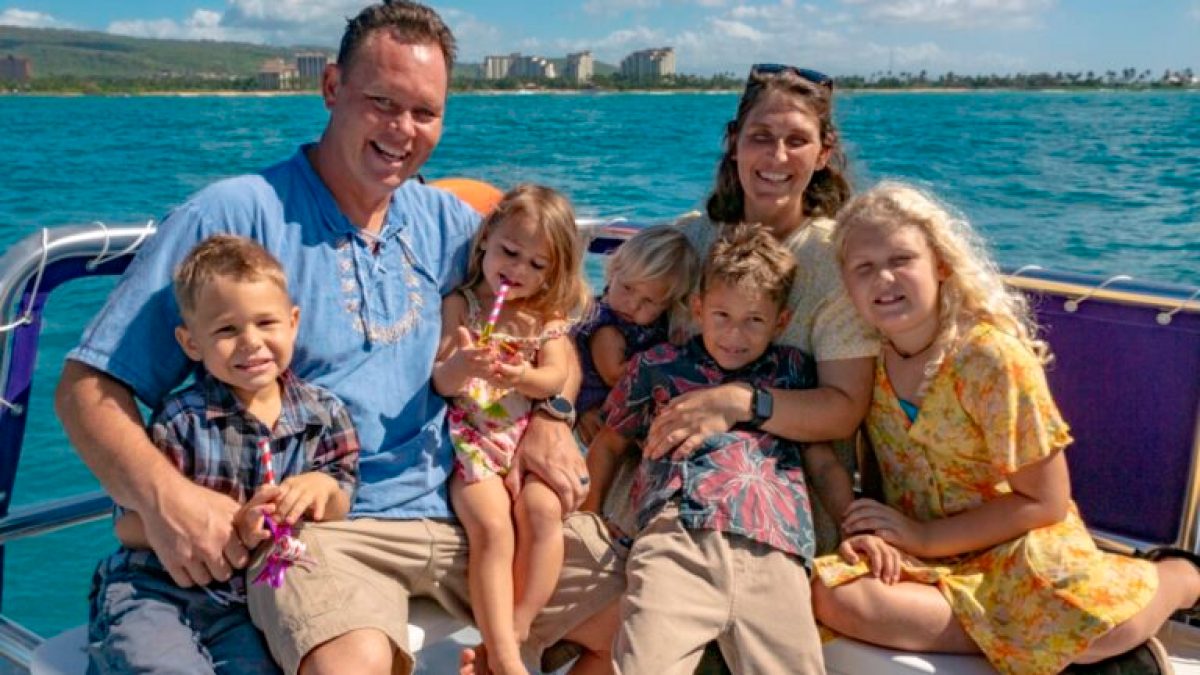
{"x":608,"y":354}
{"x":1041,"y":496}
{"x":831,"y":411}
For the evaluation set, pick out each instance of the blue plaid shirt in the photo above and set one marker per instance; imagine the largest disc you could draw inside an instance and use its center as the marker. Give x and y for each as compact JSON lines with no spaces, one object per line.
{"x":209,"y":436}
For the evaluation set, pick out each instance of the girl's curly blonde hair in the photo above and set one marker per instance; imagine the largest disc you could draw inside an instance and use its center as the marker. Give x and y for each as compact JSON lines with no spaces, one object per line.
{"x":973,"y":290}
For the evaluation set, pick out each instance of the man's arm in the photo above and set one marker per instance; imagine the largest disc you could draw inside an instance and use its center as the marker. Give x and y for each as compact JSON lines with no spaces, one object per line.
{"x":189,"y":527}
{"x":548,"y":448}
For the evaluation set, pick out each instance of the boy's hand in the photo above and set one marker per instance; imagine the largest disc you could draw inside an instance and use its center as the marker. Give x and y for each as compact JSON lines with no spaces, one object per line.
{"x":307,"y":493}
{"x":883,"y":558}
{"x":249,"y":520}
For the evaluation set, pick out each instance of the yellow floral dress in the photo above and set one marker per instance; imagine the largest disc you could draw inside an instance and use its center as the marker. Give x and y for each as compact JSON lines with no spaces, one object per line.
{"x":1032,"y":604}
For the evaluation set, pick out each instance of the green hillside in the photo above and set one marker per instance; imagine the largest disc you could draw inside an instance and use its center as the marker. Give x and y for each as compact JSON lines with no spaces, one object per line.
{"x":79,"y":54}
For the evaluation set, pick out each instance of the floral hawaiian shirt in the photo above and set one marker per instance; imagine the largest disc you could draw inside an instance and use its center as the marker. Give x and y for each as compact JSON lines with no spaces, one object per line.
{"x":743,"y":481}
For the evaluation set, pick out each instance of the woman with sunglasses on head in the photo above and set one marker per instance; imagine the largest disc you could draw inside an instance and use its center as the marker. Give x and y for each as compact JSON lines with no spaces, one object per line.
{"x":782,"y":170}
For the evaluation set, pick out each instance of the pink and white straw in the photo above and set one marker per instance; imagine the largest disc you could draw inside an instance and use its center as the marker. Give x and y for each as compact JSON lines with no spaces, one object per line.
{"x":264,"y":460}
{"x":488,"y":328}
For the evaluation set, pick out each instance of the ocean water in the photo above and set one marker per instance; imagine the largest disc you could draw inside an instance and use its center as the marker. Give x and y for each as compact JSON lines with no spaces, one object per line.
{"x":1099,"y":182}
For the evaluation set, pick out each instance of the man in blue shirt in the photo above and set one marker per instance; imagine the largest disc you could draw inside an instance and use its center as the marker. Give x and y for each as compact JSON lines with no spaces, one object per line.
{"x":369,"y":253}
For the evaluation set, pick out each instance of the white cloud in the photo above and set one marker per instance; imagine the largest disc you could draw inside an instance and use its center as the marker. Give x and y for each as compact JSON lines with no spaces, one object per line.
{"x":203,"y":24}
{"x":957,"y":13}
{"x":612,"y":7}
{"x":736,"y":30}
{"x":638,"y":37}
{"x":476,"y":38}
{"x":317,"y":23}
{"x":270,"y":15}
{"x":28,"y":19}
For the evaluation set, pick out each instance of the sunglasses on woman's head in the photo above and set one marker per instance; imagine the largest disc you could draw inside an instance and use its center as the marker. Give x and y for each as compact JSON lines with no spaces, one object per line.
{"x":815,"y":76}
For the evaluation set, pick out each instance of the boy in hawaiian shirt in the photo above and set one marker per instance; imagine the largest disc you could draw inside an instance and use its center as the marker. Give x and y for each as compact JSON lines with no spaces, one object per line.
{"x":725,"y":534}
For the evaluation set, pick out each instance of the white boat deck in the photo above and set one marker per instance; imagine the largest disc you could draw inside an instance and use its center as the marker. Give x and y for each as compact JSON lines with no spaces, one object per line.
{"x":65,"y":656}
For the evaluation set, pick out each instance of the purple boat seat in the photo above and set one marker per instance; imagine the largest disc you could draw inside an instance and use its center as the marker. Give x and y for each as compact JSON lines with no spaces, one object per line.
{"x":1128,"y":383}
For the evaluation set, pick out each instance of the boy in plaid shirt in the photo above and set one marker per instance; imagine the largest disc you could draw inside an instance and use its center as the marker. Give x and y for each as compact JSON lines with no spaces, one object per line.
{"x":240,"y":323}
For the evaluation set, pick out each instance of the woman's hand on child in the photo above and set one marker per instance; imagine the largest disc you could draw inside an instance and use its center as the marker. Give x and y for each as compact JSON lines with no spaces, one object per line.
{"x":867,"y":516}
{"x":307,"y":493}
{"x":689,"y":418}
{"x":249,"y":520}
{"x":883,"y":558}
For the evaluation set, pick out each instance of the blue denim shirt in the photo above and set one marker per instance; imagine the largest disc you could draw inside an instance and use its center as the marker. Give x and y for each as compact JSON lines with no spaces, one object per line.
{"x":370,"y":317}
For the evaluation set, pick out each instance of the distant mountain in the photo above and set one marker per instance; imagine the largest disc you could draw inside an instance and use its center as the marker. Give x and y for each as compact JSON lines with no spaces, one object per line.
{"x":69,"y":53}
{"x":84,"y":54}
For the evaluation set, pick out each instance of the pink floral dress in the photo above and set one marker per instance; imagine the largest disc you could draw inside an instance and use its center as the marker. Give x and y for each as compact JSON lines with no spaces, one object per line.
{"x":487,"y":423}
{"x":1032,"y":604}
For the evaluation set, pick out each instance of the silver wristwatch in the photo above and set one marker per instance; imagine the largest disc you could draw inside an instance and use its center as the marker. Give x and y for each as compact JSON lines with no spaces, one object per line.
{"x":559,"y":408}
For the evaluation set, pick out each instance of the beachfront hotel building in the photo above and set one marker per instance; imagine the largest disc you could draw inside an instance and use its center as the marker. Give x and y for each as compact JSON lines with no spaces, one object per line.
{"x":497,"y":67}
{"x":518,"y":66}
{"x":649,"y":64}
{"x":15,"y":69}
{"x":580,"y":67}
{"x":277,"y":74}
{"x":311,"y":65}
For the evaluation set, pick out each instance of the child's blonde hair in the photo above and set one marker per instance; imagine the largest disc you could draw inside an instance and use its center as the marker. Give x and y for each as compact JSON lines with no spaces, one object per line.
{"x":973,"y":291}
{"x":224,"y":256}
{"x":747,"y":256}
{"x":565,"y":293}
{"x":658,"y":253}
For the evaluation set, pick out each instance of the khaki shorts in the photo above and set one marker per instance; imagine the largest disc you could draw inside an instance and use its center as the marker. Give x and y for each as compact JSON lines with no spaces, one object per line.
{"x":687,"y":588}
{"x":366,"y":571}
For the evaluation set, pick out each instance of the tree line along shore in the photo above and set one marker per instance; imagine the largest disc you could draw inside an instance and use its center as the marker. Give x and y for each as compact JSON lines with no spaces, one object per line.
{"x":1129,"y":78}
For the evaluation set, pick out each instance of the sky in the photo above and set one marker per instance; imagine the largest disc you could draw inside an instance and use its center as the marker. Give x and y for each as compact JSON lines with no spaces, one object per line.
{"x":840,"y":37}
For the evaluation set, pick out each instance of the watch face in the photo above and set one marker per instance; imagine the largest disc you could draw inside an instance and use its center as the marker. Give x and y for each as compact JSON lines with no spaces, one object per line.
{"x":560,"y":405}
{"x":763,"y":404}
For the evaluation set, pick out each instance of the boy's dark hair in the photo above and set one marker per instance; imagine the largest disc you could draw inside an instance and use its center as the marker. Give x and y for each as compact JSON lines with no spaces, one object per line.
{"x":408,"y":22}
{"x":224,"y":256}
{"x":748,"y":257}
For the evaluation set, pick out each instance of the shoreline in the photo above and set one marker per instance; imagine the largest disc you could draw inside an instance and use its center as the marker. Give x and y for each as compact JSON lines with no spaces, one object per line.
{"x":237,"y":93}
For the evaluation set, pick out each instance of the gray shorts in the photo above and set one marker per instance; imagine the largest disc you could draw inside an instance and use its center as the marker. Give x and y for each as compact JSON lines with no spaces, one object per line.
{"x":141,"y":622}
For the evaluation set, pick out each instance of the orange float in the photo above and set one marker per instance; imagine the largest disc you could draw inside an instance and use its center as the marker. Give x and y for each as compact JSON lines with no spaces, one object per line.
{"x":483,"y":197}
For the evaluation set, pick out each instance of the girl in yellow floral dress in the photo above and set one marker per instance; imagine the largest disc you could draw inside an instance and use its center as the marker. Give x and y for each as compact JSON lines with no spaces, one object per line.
{"x":977,"y":546}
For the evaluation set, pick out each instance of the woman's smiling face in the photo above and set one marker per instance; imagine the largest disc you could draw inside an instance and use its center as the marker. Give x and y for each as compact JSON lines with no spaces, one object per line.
{"x":777,"y":151}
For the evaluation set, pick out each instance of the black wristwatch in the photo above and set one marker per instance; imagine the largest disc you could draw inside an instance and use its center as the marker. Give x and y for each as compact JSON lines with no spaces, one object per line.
{"x":558,"y":408}
{"x":762,"y":406}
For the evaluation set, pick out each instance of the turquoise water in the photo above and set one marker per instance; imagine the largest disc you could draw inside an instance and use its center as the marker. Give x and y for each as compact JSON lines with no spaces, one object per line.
{"x":1100,"y":183}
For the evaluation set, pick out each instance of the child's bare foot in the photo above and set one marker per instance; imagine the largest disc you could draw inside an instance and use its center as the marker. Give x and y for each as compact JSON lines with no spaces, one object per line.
{"x":473,"y":661}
